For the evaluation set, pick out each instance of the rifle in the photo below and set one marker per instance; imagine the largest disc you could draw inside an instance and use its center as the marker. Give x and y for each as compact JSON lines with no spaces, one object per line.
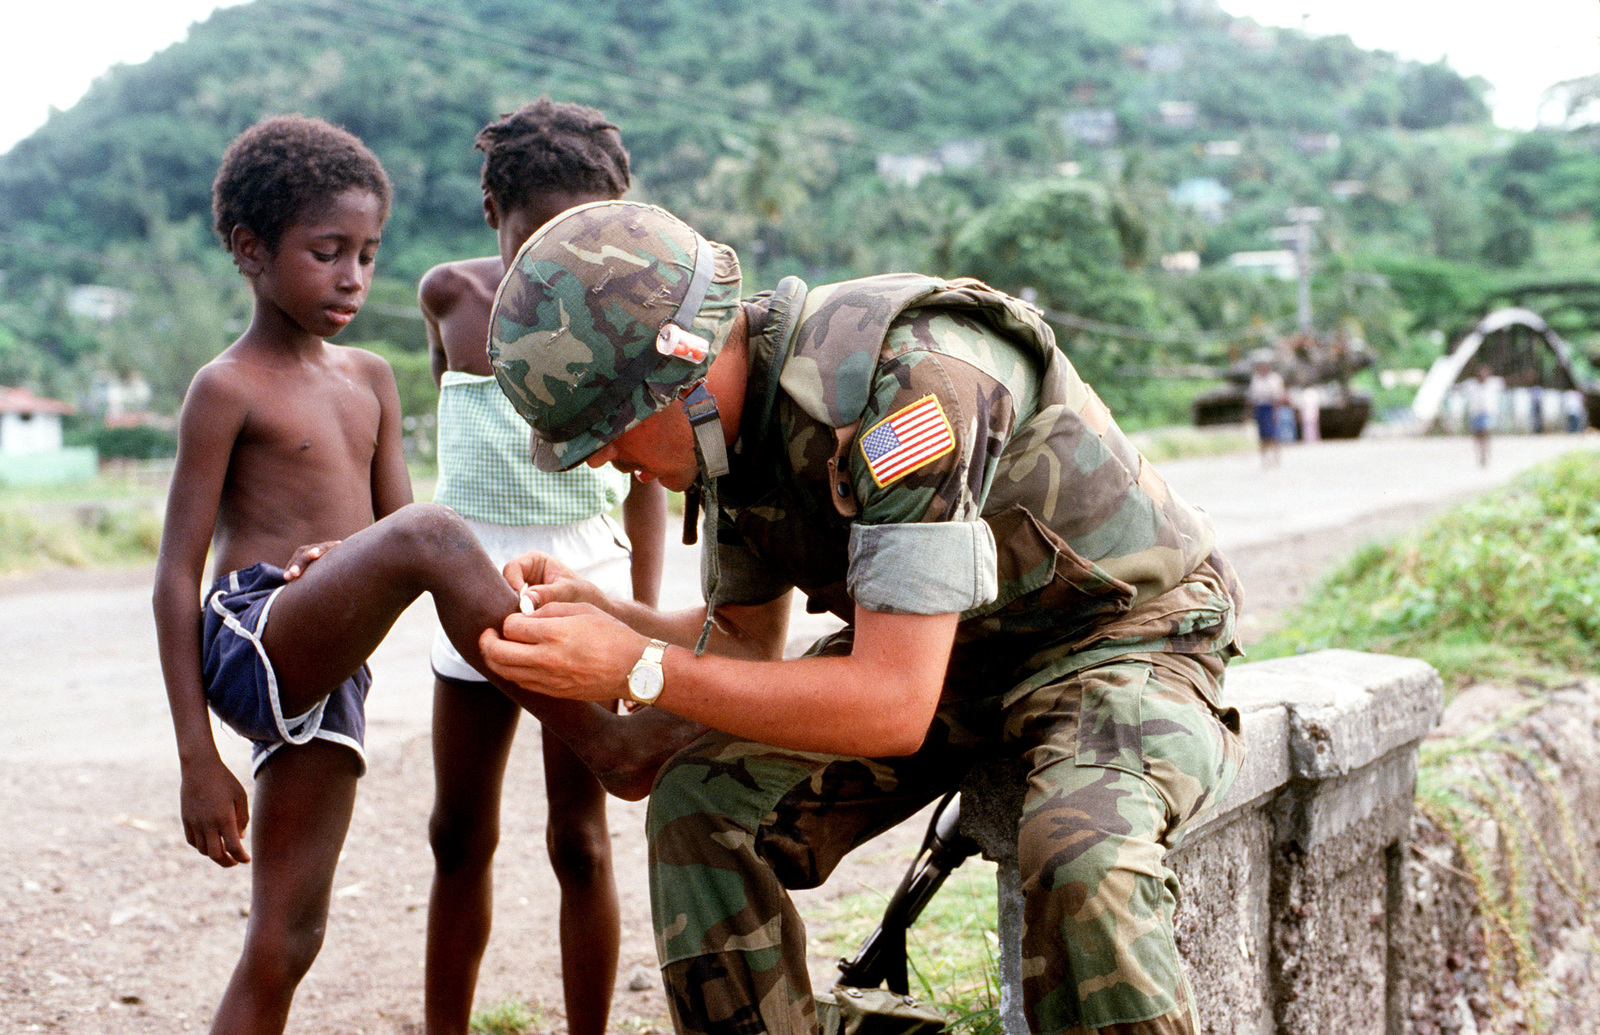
{"x":882,"y":956}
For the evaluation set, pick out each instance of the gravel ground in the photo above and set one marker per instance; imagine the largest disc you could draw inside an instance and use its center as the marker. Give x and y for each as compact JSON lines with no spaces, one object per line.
{"x":110,"y":923}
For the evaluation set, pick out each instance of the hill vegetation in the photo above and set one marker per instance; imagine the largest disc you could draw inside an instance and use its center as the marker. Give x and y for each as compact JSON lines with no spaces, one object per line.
{"x":1090,"y":154}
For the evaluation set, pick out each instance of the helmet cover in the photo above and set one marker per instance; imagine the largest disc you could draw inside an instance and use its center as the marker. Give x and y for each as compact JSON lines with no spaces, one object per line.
{"x":606,"y":314}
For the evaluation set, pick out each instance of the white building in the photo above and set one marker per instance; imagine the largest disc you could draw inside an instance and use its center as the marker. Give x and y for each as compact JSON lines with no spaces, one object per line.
{"x":1280,"y":263}
{"x":28,"y":423}
{"x":31,"y":450}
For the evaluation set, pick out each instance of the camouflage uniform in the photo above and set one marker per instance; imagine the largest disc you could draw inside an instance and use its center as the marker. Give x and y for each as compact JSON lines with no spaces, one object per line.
{"x":1095,"y":623}
{"x":907,"y":445}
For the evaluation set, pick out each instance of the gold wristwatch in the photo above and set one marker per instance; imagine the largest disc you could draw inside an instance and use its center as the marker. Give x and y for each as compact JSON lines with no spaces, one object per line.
{"x":647,"y":678}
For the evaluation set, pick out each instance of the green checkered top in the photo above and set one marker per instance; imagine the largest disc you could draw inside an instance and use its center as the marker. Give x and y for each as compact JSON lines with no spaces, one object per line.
{"x":485,"y":473}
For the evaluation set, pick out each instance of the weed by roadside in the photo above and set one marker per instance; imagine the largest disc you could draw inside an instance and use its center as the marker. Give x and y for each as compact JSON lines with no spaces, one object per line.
{"x":78,"y":537}
{"x":1507,"y":586}
{"x":111,"y":520}
{"x":507,"y":1017}
{"x":1179,"y":442}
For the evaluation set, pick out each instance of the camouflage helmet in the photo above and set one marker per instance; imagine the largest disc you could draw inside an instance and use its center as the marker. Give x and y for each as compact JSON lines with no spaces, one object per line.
{"x":607,"y":313}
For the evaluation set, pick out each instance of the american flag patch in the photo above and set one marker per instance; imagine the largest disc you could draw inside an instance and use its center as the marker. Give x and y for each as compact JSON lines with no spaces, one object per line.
{"x":907,"y":439}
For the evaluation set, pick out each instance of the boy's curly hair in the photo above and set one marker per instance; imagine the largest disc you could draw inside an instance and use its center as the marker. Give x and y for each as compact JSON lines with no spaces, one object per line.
{"x":551,"y":146}
{"x":284,"y":166}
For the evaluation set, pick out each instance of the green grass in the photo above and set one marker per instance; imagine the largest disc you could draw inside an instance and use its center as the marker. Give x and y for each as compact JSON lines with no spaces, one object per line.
{"x":507,"y":1017}
{"x":1180,"y":441}
{"x":1506,"y":586}
{"x":81,"y":536}
{"x":112,"y":520}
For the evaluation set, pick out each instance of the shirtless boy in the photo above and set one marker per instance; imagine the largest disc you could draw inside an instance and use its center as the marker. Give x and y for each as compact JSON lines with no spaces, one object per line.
{"x":285,"y":440}
{"x":538,"y":161}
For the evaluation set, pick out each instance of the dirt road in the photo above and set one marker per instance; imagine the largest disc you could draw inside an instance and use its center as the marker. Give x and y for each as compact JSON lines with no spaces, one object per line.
{"x":110,"y":923}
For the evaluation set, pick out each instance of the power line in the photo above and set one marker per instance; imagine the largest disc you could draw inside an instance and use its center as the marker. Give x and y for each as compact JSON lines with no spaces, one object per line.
{"x":688,"y":104}
{"x":1111,"y":330}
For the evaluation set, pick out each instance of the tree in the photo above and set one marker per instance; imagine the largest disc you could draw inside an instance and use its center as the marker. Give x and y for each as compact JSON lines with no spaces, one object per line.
{"x":188,"y":304}
{"x":1435,"y":95}
{"x":1055,"y":241}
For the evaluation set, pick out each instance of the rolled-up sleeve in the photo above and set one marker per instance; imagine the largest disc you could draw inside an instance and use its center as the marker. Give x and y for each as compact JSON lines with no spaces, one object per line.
{"x":941,"y":568}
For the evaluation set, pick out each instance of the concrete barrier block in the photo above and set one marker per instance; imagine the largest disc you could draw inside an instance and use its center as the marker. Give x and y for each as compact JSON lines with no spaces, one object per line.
{"x":1346,"y":708}
{"x":1291,"y":908}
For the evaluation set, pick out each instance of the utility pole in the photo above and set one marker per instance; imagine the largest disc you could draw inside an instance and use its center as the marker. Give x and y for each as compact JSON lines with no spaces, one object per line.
{"x":1299,"y":235}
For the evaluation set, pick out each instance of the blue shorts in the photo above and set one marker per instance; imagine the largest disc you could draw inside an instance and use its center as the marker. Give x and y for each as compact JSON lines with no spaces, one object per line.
{"x":1266,"y":415}
{"x":242,"y":688}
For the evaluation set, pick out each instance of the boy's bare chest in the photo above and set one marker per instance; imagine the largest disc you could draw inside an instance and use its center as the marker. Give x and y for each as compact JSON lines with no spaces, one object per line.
{"x":330,"y":424}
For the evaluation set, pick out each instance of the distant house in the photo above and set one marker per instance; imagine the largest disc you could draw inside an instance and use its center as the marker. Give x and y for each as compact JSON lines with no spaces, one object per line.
{"x":1280,"y":263}
{"x":1317,"y":143}
{"x":1096,"y":127}
{"x":1163,"y":57}
{"x":1204,"y":195}
{"x":1344,"y":190}
{"x":907,"y":170}
{"x":1181,"y":262}
{"x":121,"y":400}
{"x":29,"y":423}
{"x":1178,"y":114}
{"x":961,"y":154}
{"x":99,"y":303}
{"x":910,"y":170}
{"x":31,"y":449}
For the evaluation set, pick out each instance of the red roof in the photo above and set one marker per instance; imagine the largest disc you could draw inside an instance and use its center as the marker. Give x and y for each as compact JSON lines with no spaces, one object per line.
{"x":20,"y":400}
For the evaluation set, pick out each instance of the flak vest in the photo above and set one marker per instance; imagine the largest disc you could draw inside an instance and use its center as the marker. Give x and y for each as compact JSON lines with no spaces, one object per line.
{"x":1088,"y":534}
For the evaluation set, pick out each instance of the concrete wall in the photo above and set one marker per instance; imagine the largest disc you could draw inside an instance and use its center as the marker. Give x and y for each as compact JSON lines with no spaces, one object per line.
{"x":68,"y":464}
{"x":1293,"y":909}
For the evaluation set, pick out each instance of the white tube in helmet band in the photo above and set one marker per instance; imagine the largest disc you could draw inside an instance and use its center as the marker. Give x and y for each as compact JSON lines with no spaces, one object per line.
{"x":705,"y":263}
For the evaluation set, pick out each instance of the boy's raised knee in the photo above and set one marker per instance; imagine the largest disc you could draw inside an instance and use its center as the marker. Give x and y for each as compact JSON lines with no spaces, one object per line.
{"x":430,"y":534}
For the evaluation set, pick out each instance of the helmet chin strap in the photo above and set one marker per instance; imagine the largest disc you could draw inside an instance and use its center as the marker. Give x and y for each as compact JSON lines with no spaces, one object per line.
{"x":711,"y":453}
{"x":710,"y":448}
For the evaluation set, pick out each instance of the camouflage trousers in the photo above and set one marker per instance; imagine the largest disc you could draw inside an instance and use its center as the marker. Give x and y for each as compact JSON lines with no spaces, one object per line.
{"x":1124,"y":758}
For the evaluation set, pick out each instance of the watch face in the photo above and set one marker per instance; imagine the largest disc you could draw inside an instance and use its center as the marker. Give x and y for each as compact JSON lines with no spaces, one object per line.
{"x":644,"y":682}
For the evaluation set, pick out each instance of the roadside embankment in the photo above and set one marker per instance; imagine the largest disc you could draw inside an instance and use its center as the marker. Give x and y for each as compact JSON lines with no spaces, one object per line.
{"x":1504,"y":865}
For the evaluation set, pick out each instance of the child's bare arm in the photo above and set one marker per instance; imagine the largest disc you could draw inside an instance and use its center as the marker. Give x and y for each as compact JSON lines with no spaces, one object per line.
{"x":391,"y":481}
{"x":644,"y":518}
{"x":214,"y":806}
{"x":437,"y":295}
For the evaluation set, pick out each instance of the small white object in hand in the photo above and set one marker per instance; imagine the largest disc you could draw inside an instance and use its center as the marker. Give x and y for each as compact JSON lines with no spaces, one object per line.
{"x":525,"y":602}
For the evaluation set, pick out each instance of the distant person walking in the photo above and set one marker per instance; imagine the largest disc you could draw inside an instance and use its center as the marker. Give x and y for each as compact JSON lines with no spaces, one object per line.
{"x":1265,"y":394}
{"x":1482,"y":395}
{"x":1574,"y":410}
{"x":1310,"y":414}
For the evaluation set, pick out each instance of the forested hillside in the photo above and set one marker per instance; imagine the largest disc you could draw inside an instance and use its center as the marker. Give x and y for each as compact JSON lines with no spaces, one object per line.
{"x":1066,"y":147}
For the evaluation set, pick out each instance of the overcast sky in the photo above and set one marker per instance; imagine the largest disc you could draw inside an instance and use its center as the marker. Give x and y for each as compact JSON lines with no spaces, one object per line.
{"x":51,"y":50}
{"x":1521,"y":48}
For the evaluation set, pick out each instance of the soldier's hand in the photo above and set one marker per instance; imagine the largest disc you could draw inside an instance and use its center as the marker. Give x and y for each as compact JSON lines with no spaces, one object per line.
{"x":540,"y":579}
{"x":569,"y":650}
